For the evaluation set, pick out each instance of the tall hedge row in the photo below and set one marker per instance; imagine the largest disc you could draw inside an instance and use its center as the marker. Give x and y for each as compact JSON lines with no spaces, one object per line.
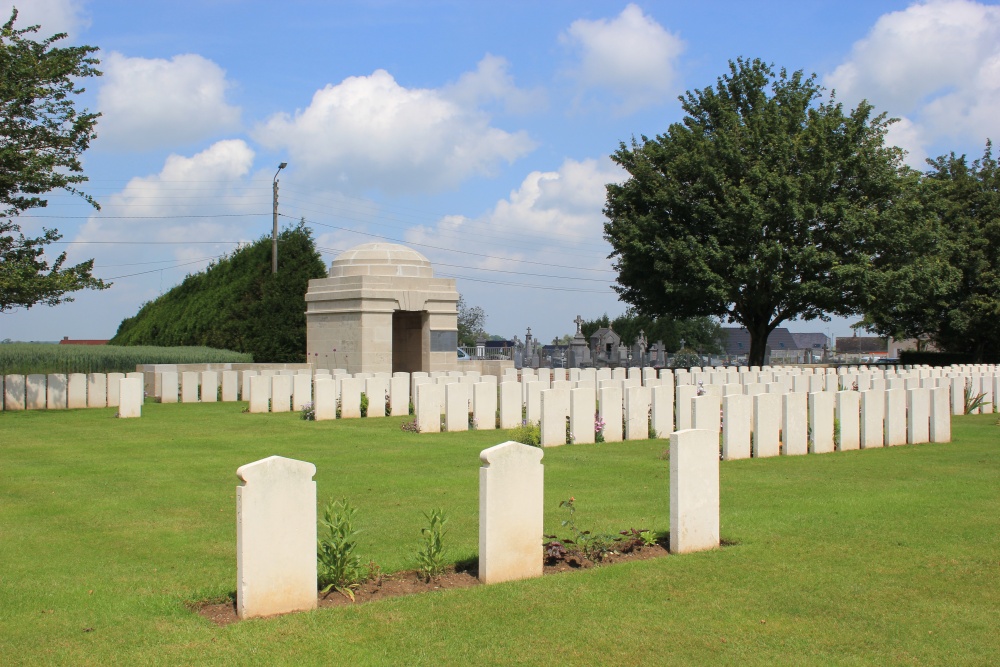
{"x":237,"y":303}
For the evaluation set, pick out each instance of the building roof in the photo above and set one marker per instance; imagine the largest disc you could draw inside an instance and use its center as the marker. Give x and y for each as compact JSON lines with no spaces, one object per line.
{"x":811,"y":341}
{"x":737,"y":340}
{"x":381,"y":259}
{"x":68,"y":341}
{"x":862,"y":345}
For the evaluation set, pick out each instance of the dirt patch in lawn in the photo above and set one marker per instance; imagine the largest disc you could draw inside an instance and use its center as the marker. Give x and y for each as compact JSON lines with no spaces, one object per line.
{"x":412,"y":583}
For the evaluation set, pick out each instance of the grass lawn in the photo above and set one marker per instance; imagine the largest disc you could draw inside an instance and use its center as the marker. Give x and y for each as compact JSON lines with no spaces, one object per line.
{"x":109,"y":527}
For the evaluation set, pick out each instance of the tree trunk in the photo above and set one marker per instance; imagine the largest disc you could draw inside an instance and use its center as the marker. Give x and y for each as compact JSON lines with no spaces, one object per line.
{"x":758,"y":343}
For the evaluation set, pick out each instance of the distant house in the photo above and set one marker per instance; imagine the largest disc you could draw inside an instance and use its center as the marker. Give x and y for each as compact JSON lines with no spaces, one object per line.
{"x":68,"y":341}
{"x":780,"y":343}
{"x":872,"y":347}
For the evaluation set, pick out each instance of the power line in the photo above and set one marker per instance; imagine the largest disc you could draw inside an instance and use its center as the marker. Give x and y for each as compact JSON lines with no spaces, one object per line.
{"x":463,"y":252}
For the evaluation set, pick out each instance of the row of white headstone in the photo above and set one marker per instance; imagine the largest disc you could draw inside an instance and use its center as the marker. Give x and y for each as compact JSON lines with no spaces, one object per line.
{"x":276,"y":519}
{"x":58,"y":391}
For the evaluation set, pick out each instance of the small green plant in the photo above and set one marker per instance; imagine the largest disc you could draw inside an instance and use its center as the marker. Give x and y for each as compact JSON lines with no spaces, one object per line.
{"x":648,"y":538}
{"x":527,"y":434}
{"x":836,"y":433}
{"x":593,"y":546}
{"x":388,"y":405}
{"x":430,"y":555}
{"x":309,"y":411}
{"x":339,"y":567}
{"x":973,"y":401}
{"x":569,"y":432}
{"x":364,"y":404}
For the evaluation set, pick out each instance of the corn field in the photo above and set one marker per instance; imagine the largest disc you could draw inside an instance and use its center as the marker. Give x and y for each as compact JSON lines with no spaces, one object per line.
{"x":25,"y":358}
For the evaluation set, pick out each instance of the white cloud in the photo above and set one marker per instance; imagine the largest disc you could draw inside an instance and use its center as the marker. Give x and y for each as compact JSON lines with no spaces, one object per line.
{"x":551,"y":211}
{"x":910,"y":137}
{"x":936,"y":63}
{"x":53,"y":16}
{"x":170,"y":207}
{"x":632,"y":56}
{"x":370,"y":132}
{"x":150,"y":102}
{"x":492,"y":82}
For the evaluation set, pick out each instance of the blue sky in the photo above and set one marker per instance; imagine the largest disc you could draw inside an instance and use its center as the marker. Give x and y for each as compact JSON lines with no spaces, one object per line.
{"x":476,"y":132}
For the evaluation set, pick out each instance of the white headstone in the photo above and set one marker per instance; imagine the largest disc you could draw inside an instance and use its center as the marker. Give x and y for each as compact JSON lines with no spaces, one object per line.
{"x":662,"y":398}
{"x":555,"y":412}
{"x":511,"y":495}
{"x":55,"y":391}
{"x":399,"y":395}
{"x":684,"y":394}
{"x":35,"y":392}
{"x":582,"y":410}
{"x":130,"y":391}
{"x":610,"y":409}
{"x":325,"y":401}
{"x":76,"y":391}
{"x":795,"y":424}
{"x":302,"y":390}
{"x":736,"y":413}
{"x":637,"y":404}
{"x":872,"y":416}
{"x":14,"y":392}
{"x":456,"y":413}
{"x":706,"y":412}
{"x":484,"y":406}
{"x":767,"y":422}
{"x":260,"y":393}
{"x":694,"y":491}
{"x":209,"y":386}
{"x":377,"y":389}
{"x":189,"y":386}
{"x":848,"y":408}
{"x":533,"y":401}
{"x":281,"y":393}
{"x":918,"y":415}
{"x":429,"y":406}
{"x":821,"y":409}
{"x":940,"y":418}
{"x":113,"y":386}
{"x":275,"y":537}
{"x":510,"y":404}
{"x":350,"y":398}
{"x":230,"y":386}
{"x":895,"y":417}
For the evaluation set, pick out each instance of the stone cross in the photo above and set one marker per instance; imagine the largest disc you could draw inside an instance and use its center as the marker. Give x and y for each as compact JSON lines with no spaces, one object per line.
{"x":579,"y":325}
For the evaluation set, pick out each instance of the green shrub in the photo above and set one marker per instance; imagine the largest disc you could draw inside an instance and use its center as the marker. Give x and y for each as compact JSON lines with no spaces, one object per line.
{"x":527,"y":434}
{"x":339,"y":568}
{"x":430,"y":556}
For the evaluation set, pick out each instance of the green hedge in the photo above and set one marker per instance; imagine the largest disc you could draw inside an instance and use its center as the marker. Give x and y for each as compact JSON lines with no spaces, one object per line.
{"x":25,"y":358}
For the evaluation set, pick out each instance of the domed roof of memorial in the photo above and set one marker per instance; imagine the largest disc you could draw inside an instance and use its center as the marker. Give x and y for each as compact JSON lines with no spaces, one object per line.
{"x":381,"y":259}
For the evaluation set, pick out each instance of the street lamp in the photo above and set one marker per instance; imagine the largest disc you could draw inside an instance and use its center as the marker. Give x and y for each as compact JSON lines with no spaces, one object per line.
{"x":274,"y":227}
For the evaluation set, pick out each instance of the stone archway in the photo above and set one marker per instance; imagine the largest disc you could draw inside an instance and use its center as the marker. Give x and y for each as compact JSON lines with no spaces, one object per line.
{"x":379,"y":305}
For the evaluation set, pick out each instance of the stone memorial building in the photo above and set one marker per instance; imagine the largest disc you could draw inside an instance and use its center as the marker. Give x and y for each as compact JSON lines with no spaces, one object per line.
{"x":381,"y":310}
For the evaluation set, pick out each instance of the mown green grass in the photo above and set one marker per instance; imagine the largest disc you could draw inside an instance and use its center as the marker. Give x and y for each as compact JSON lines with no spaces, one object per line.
{"x":109,"y":527}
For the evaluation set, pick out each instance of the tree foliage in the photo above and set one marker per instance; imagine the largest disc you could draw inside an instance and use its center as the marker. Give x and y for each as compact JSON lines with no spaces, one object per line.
{"x":762,"y":205}
{"x":237,"y":303}
{"x":41,"y":139}
{"x":700,"y":333}
{"x":942,"y":279}
{"x":471,"y":322}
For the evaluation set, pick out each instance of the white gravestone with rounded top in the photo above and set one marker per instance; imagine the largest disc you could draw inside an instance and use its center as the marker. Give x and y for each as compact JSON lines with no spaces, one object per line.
{"x":275,"y":537}
{"x":694,"y":490}
{"x":511,"y":494}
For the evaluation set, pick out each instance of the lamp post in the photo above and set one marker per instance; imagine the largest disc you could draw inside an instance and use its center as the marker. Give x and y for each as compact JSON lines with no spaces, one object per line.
{"x":274,"y":227}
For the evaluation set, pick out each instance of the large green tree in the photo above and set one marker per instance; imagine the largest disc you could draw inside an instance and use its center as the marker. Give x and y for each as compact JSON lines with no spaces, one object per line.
{"x":942,"y":277}
{"x":760,"y":206}
{"x":237,"y":303}
{"x":701,"y":333}
{"x":41,"y":139}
